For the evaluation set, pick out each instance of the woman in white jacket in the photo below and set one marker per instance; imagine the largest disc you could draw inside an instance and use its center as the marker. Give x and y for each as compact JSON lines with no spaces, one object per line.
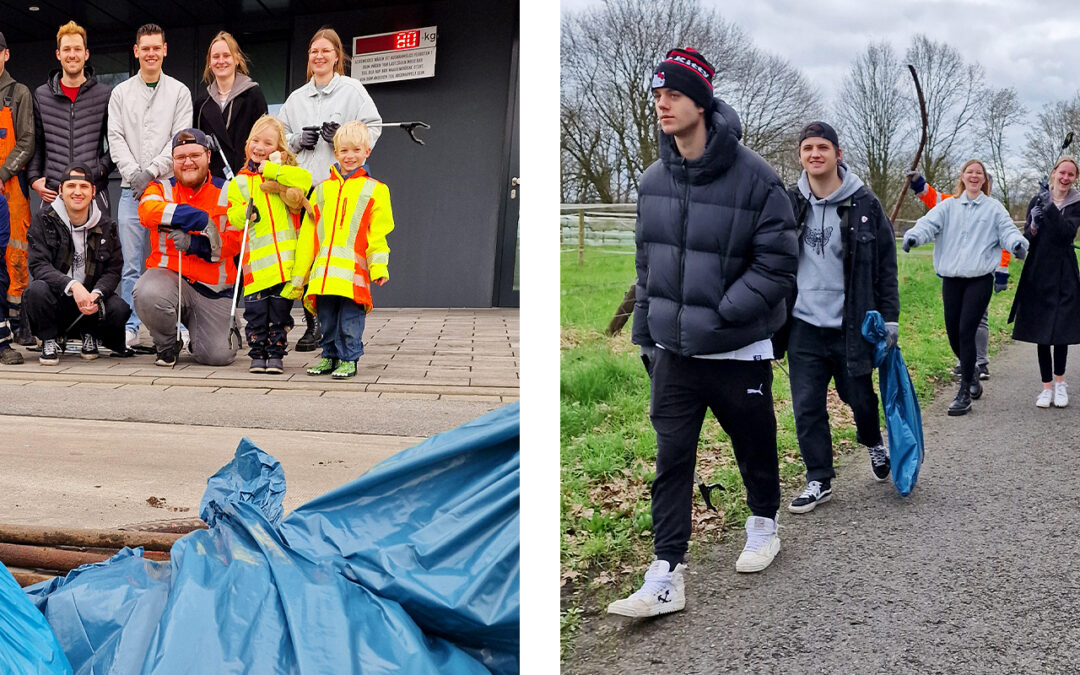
{"x":968,"y":232}
{"x":312,"y":115}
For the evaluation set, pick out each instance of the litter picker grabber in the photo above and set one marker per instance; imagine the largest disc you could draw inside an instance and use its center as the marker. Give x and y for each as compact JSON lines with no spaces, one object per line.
{"x":1045,"y":184}
{"x":410,"y":127}
{"x":252,"y":215}
{"x":922,"y":144}
{"x":228,"y":169}
{"x":179,"y":294}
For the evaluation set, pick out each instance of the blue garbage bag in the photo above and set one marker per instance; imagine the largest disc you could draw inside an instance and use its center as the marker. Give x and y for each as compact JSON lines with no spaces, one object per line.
{"x":903,"y":419}
{"x":27,"y":643}
{"x":250,"y":595}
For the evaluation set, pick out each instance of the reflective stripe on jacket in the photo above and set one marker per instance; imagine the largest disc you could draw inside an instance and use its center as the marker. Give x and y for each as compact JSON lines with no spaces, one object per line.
{"x":345,"y":248}
{"x":271,"y":238}
{"x":166,"y":205}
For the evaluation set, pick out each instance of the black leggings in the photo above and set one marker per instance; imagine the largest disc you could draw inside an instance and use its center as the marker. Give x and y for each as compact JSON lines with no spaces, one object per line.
{"x":965,"y":300}
{"x":1061,"y":352}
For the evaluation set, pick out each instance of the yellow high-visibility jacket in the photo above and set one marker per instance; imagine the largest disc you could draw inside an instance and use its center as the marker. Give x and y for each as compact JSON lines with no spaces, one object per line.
{"x":271,"y":239}
{"x":345,"y":248}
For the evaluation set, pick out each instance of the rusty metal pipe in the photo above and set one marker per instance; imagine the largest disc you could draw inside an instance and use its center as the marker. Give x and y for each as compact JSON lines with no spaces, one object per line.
{"x":36,"y":557}
{"x":29,"y":577}
{"x":59,"y":536}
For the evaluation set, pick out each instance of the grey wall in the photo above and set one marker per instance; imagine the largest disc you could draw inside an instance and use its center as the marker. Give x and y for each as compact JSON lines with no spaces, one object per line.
{"x":447,"y":193}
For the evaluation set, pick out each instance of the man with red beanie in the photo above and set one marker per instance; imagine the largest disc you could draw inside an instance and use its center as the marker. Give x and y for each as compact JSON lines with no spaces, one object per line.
{"x":716,"y":259}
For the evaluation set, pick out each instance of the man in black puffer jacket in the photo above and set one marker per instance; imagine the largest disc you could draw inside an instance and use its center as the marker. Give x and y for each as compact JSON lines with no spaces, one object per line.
{"x":847,"y":267}
{"x":716,"y":259}
{"x":70,"y":121}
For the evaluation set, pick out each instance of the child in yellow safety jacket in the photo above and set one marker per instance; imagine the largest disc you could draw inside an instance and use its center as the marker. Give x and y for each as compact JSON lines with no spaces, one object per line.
{"x":343,"y":252}
{"x":268,"y":194}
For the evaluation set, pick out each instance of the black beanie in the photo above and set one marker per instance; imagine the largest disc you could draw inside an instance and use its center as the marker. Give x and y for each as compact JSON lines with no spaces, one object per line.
{"x":687,"y":71}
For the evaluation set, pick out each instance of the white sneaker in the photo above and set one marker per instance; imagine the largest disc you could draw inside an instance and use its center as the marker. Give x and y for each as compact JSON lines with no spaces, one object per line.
{"x":1046,"y":396}
{"x":662,"y":593}
{"x":1061,"y":395}
{"x":131,"y":338}
{"x":762,"y":545}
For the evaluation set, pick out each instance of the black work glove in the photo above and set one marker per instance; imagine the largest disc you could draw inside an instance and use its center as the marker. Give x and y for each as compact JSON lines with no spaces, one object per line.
{"x":309,"y":137}
{"x":917,"y":182}
{"x":328,"y":130}
{"x":648,"y":357}
{"x":909,"y":242}
{"x":139,"y":183}
{"x":892,"y":334}
{"x":180,"y":239}
{"x":1037,"y":216}
{"x":1020,"y":250}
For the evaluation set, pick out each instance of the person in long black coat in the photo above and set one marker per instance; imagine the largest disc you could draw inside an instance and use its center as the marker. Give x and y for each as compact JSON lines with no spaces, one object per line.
{"x":230,"y":103}
{"x":1046,"y":308}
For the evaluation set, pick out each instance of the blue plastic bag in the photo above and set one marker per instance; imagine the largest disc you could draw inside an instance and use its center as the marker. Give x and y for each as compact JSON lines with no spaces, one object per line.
{"x":903,"y":419}
{"x":27,"y":644}
{"x":413,"y":567}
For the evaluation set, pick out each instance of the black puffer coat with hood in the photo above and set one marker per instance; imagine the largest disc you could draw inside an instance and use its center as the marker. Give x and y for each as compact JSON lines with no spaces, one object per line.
{"x":716,"y":246}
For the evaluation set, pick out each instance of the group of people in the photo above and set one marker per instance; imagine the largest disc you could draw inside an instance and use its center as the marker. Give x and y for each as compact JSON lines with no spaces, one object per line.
{"x":209,"y":191}
{"x":734,"y":271}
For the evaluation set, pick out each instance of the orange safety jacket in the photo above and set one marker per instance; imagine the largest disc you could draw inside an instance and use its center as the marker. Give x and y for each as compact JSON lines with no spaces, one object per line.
{"x":932,"y":198}
{"x":169,"y":205}
{"x":345,"y":248}
{"x":271,"y":237}
{"x":18,"y":208}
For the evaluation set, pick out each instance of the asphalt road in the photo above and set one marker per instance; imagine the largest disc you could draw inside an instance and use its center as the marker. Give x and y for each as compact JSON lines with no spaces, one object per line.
{"x":975,"y":572}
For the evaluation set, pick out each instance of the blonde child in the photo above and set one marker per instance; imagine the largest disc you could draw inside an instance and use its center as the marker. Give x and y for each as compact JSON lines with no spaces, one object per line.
{"x":344,"y":251}
{"x":269,"y":190}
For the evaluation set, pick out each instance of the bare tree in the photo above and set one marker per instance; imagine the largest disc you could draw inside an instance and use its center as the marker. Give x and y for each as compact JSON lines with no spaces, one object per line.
{"x":872,"y":111}
{"x":1001,"y":111}
{"x":952,"y":89}
{"x":608,"y":53}
{"x":1052,"y":124}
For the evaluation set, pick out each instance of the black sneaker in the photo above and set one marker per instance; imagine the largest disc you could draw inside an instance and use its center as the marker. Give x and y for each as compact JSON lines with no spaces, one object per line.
{"x":879,"y":462}
{"x":89,"y":349}
{"x":958,"y":370}
{"x":816,"y":492}
{"x":167,"y":357}
{"x":983,"y":371}
{"x":50,"y":353}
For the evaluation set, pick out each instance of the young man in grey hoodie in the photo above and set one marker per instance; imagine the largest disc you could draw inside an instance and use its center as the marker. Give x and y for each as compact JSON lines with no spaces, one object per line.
{"x":847,"y":267}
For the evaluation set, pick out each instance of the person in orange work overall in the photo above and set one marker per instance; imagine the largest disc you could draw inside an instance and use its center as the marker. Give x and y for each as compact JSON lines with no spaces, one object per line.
{"x":931,"y":198}
{"x":16,"y":149}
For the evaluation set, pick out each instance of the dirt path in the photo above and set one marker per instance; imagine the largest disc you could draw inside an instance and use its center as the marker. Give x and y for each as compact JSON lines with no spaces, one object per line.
{"x":975,"y":572}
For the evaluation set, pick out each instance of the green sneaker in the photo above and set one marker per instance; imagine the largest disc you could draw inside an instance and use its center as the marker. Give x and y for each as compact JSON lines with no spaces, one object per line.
{"x":323,"y":367}
{"x":345,"y":370}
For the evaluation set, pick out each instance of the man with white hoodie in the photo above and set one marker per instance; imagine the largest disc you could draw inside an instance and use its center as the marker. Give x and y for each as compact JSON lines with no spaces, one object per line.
{"x":847,"y":267}
{"x":75,"y":260}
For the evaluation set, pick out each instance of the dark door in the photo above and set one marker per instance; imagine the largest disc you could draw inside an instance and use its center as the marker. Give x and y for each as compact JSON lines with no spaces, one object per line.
{"x":507,"y":263}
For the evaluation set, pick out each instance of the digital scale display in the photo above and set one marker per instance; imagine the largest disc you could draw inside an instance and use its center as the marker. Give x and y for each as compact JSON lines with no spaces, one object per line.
{"x":400,"y":55}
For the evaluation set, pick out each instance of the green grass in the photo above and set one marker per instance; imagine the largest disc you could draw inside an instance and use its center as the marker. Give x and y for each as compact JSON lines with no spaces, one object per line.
{"x":609,"y":447}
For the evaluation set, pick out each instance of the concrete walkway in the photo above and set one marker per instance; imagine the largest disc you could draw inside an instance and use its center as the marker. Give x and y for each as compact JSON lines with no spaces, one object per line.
{"x":89,"y":443}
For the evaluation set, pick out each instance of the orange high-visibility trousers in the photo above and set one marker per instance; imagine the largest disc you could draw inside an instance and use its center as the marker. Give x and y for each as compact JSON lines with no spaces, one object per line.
{"x":19,"y":209}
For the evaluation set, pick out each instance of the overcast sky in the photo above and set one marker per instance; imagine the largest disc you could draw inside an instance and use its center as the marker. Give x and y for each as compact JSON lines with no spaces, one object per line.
{"x":1030,"y":45}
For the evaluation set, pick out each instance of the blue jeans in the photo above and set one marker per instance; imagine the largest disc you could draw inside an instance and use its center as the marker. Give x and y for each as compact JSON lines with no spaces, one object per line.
{"x":135,"y":243}
{"x":342,"y":323}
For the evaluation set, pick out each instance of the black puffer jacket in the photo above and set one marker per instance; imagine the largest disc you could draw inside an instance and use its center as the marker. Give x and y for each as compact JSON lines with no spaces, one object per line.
{"x":870,"y":281}
{"x":51,"y":252}
{"x":230,"y":126}
{"x":69,"y":132}
{"x":716,"y":247}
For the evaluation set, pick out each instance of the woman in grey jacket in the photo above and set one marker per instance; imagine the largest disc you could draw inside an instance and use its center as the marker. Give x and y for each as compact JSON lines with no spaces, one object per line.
{"x":968,"y":232}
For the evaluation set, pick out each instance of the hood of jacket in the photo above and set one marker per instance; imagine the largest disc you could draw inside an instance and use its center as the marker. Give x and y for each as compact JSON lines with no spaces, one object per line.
{"x":849,"y":185}
{"x":241,"y":83}
{"x":723,"y":134}
{"x":57,"y":73}
{"x":1071,"y":197}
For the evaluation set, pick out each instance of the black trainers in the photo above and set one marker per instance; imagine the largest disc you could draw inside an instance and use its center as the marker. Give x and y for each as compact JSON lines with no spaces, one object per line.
{"x":167,"y":357}
{"x":50,"y":353}
{"x":89,"y":349}
{"x":983,"y":371}
{"x":879,"y":462}
{"x":816,"y":492}
{"x":274,"y":366}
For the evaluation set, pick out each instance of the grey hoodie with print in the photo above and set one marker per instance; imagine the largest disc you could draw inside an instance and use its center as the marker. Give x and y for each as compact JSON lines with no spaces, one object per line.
{"x":820,"y":278}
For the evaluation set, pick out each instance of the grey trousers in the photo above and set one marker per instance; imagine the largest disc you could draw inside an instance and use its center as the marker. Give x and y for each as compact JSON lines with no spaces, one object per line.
{"x":982,"y":341}
{"x":207,"y":319}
